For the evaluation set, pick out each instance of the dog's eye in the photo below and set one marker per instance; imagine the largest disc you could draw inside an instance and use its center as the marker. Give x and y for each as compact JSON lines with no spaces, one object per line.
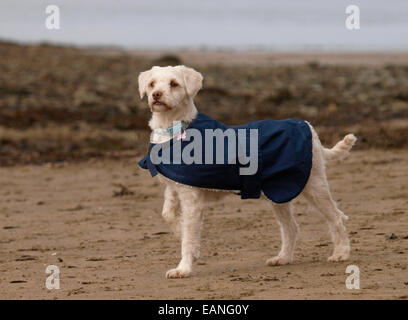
{"x":173,"y":84}
{"x":151,"y":84}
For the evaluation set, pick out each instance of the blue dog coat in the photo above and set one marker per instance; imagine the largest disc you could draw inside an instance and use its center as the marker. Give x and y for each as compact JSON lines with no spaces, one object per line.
{"x":284,"y":157}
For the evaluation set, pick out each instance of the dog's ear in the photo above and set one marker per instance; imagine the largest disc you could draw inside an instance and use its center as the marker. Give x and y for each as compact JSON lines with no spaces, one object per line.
{"x":193,"y":81}
{"x":143,"y":79}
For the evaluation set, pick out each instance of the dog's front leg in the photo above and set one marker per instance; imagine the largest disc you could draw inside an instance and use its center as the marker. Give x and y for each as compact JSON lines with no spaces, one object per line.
{"x":191,"y":221}
{"x":171,"y":207}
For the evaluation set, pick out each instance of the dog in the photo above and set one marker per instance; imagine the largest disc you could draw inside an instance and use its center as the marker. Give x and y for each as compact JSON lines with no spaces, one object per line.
{"x":171,"y":92}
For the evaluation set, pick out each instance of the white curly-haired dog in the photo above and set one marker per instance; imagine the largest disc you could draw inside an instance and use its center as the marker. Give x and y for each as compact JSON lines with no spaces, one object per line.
{"x":170,"y":92}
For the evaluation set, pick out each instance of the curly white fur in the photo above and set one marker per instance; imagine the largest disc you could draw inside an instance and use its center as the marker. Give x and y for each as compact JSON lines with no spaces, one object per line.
{"x":183,"y":205}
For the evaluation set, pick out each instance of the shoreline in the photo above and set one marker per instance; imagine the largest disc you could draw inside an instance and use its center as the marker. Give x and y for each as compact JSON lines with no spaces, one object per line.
{"x":242,"y":57}
{"x":264,"y":58}
{"x":64,"y":103}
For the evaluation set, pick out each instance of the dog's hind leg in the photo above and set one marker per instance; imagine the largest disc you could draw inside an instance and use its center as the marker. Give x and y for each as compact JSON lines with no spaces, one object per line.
{"x":318,"y":195}
{"x":289,"y":230}
{"x":171,"y":207}
{"x":191,"y":202}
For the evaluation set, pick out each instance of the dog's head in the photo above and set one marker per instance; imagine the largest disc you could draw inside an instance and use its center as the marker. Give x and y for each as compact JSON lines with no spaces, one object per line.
{"x":167,"y":88}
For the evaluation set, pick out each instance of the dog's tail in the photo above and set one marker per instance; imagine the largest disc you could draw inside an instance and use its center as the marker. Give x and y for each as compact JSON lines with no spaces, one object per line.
{"x":341,"y":149}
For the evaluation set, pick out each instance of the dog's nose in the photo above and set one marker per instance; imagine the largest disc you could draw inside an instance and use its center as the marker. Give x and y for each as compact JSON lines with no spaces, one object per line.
{"x":157,"y":95}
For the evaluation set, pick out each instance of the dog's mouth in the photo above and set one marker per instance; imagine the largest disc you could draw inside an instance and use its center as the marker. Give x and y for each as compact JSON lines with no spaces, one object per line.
{"x":160,"y":106}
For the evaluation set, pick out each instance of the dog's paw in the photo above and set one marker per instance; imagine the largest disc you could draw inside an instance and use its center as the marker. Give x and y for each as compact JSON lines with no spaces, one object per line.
{"x":177,"y":273}
{"x":278,"y":261}
{"x":340,"y":254}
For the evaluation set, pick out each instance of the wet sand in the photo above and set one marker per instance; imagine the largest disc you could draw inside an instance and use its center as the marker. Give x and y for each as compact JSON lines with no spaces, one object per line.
{"x":72,"y":128}
{"x":109,"y":246}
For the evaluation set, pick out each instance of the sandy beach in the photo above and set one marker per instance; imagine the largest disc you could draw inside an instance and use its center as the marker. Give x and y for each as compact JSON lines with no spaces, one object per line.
{"x":72,"y":128}
{"x":100,"y":222}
